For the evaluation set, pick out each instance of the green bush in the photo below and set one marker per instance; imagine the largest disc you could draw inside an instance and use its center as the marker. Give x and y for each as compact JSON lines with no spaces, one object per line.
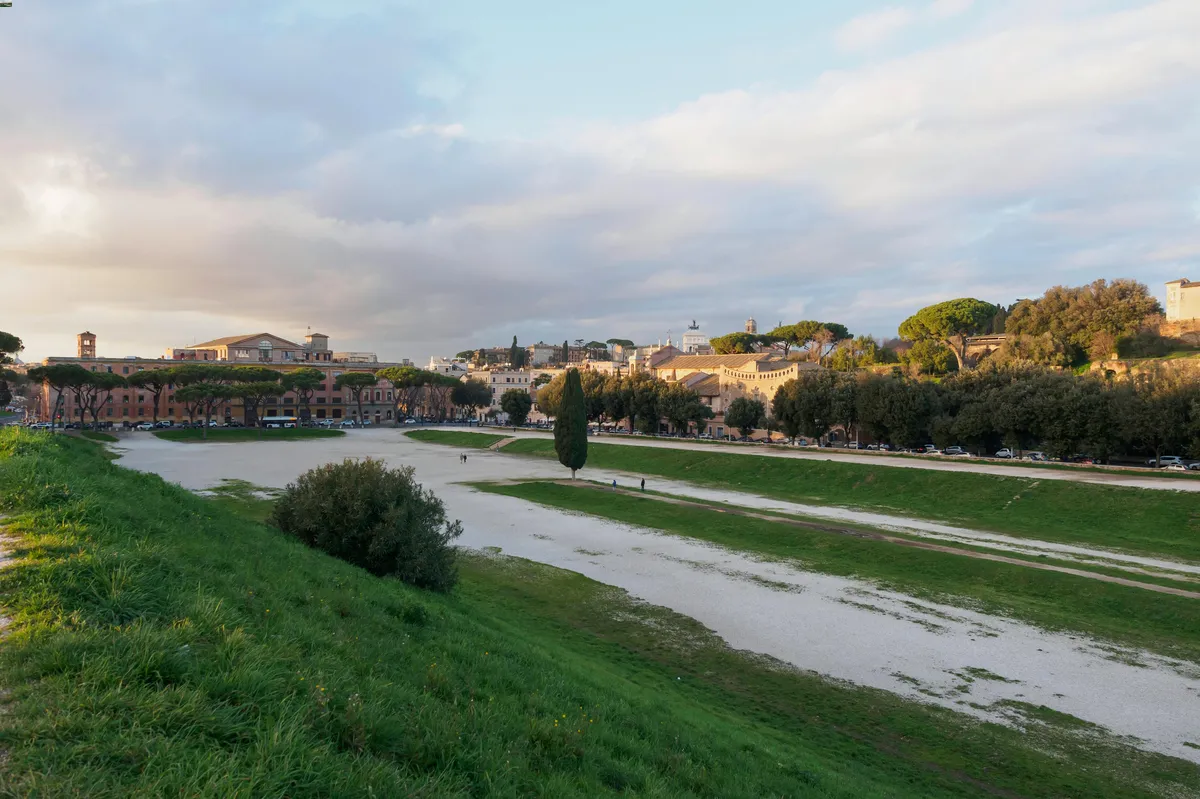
{"x":374,"y":517}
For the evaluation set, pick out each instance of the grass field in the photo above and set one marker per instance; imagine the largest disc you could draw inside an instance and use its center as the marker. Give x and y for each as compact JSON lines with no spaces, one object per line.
{"x":1163,"y":523}
{"x":1169,"y":625}
{"x":457,"y":438}
{"x":165,"y":644}
{"x":238,"y":434}
{"x":95,"y":435}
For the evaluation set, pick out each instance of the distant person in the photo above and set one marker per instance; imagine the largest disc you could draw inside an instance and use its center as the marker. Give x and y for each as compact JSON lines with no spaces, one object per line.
{"x":643,"y":485}
{"x":614,"y":485}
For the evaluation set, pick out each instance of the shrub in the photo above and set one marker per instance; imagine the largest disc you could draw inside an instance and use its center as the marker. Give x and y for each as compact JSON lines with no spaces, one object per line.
{"x":374,"y":517}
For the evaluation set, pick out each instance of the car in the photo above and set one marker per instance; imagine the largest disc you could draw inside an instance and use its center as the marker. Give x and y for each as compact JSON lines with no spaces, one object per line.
{"x":1176,"y":467}
{"x":144,"y":426}
{"x":289,"y":425}
{"x":1036,"y":456}
{"x":347,"y":423}
{"x":852,"y":445}
{"x":1194,"y":467}
{"x":1165,"y":460}
{"x":1006,"y":454}
{"x":40,"y":426}
{"x":410,"y":421}
{"x":932,"y":451}
{"x":956,"y":450}
{"x":162,"y":424}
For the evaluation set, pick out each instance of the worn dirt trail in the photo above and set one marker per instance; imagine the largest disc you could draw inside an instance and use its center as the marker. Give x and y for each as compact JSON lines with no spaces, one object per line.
{"x":891,"y":539}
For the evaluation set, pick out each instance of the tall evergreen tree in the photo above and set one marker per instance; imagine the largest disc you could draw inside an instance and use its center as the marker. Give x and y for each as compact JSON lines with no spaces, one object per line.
{"x":566,"y":353}
{"x":516,"y":355}
{"x":570,"y":425}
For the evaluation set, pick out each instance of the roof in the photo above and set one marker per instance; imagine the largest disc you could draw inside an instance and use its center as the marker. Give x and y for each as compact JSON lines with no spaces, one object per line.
{"x":705,"y":385}
{"x":714,"y":361}
{"x":228,"y":340}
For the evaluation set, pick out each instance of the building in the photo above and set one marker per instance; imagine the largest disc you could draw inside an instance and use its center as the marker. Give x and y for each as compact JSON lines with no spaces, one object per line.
{"x":257,"y":348}
{"x":720,"y":379}
{"x":355,"y":357}
{"x":543,"y":354}
{"x":752,"y":326}
{"x":86,"y":345}
{"x":456,"y":367}
{"x":1183,"y":300}
{"x":133,"y":405}
{"x":501,"y":380}
{"x":694,"y":342}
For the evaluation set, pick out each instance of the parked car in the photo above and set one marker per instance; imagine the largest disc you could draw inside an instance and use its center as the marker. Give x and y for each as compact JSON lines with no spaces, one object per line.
{"x":144,"y":426}
{"x":1176,"y":467}
{"x":347,"y":423}
{"x":1036,"y":456}
{"x":1194,"y":467}
{"x":40,"y":426}
{"x":1006,"y":453}
{"x":162,"y":424}
{"x":932,"y":451}
{"x":956,"y":450}
{"x":1165,"y":460}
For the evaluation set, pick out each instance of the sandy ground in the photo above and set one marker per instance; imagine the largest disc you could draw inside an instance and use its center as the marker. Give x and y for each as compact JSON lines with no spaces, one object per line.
{"x":1129,"y":479}
{"x":843,"y":628}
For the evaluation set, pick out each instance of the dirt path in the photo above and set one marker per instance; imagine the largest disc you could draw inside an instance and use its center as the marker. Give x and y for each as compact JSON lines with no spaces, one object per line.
{"x":891,"y":539}
{"x":502,"y":443}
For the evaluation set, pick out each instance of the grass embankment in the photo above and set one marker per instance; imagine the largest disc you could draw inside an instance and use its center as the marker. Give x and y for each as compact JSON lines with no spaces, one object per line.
{"x":240,"y":434}
{"x":164,"y":644}
{"x":93,"y":435}
{"x":1165,"y":523}
{"x":457,"y":438}
{"x":1168,"y":625}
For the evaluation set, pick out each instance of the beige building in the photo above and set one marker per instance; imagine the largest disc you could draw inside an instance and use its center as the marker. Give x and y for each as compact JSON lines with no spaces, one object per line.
{"x":720,"y":379}
{"x":255,"y":349}
{"x":1183,"y":300}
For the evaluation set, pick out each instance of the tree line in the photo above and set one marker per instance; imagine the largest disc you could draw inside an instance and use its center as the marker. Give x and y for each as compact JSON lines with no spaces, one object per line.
{"x":639,"y":399}
{"x":997,"y":405}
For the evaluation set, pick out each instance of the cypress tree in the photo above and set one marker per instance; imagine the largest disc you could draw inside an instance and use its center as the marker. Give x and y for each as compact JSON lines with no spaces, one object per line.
{"x":514,"y":355}
{"x":570,"y":425}
{"x":566,"y":355}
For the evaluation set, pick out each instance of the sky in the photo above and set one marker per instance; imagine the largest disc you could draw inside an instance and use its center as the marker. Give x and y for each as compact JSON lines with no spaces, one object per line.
{"x":418,"y":178}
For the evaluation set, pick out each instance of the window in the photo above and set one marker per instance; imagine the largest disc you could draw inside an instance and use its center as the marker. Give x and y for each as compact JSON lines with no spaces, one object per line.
{"x":337,"y":400}
{"x":124,"y":370}
{"x":337,"y":413}
{"x":109,"y":400}
{"x":109,"y":370}
{"x":389,"y":414}
{"x":125,"y":399}
{"x":289,"y":411}
{"x":141,"y":411}
{"x":320,"y":413}
{"x":141,"y":397}
{"x":389,"y":395}
{"x":320,"y":398}
{"x":378,"y":396}
{"x":110,"y":409}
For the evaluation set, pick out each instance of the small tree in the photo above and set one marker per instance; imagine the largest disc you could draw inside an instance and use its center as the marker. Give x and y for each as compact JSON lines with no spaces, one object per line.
{"x":204,"y":398}
{"x":377,"y":518}
{"x":304,"y":382}
{"x":517,"y":403}
{"x":745,"y":414}
{"x":155,"y":381}
{"x":570,"y":425}
{"x":471,"y":393}
{"x":103,"y":384}
{"x":253,"y":396}
{"x":10,"y":345}
{"x":60,"y":377}
{"x":357,"y":383}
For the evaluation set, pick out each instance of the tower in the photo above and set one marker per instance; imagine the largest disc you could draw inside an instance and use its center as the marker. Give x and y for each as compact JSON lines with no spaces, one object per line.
{"x":752,"y":326}
{"x":86,"y":345}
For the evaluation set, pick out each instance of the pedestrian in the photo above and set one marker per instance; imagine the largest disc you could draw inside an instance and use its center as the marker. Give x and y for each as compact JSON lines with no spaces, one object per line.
{"x":614,"y":485}
{"x":643,"y":485}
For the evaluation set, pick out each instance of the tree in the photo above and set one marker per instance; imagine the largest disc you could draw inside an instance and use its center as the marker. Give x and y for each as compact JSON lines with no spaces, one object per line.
{"x":465,"y":355}
{"x":253,"y":396}
{"x":103,"y":384}
{"x":624,"y":343}
{"x":541,"y":380}
{"x":1075,"y":316}
{"x":304,"y":382}
{"x":357,"y":383}
{"x":155,"y":381}
{"x":550,"y":395}
{"x":570,"y":425}
{"x":680,"y":406}
{"x":735,"y":343}
{"x":10,"y":345}
{"x":517,"y":403}
{"x":204,"y":397}
{"x":642,"y":406}
{"x":929,"y":357}
{"x":566,"y":353}
{"x":60,"y":377}
{"x":440,"y":391}
{"x":409,"y":383}
{"x":745,"y":414}
{"x":516,"y":355}
{"x":473,"y":393}
{"x":856,"y":353}
{"x":951,"y":322}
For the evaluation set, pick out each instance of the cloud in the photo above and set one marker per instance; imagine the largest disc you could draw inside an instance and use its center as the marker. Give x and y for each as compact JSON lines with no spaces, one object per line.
{"x":868,"y":31}
{"x":172,"y":181}
{"x":945,"y":9}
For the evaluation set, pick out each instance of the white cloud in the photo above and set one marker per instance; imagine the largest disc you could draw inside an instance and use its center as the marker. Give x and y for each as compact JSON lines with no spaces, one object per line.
{"x":945,"y":9}
{"x":868,"y":31}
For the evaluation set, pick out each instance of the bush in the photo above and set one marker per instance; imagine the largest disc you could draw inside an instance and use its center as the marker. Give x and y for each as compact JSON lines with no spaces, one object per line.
{"x":374,"y":517}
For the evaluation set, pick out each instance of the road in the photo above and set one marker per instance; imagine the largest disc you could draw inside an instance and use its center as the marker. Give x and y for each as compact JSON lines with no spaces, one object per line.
{"x":1127,"y":479}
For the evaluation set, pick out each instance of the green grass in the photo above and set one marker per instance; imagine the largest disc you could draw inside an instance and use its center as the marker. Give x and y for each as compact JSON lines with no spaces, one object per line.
{"x":1154,"y":522}
{"x":165,"y":644}
{"x":1169,"y":625}
{"x":457,"y":438}
{"x":94,"y":435}
{"x":239,"y":434}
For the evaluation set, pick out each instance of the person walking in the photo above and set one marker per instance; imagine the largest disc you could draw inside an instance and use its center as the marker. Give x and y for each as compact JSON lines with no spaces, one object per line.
{"x":643,"y":485}
{"x":614,"y":485}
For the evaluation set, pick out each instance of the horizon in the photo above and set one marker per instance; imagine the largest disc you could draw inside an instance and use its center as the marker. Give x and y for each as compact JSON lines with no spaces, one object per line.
{"x":416,"y":179}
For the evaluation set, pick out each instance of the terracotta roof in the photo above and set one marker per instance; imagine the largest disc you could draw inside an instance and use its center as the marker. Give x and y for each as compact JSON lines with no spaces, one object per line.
{"x":713,"y":361}
{"x":225,"y":342}
{"x":704,"y":384}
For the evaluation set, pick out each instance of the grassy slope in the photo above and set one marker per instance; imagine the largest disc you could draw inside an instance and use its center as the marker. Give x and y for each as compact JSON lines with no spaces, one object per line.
{"x":162,"y":645}
{"x":1166,"y":624}
{"x":1151,"y":522}
{"x":457,"y":438}
{"x":237,"y":434}
{"x":97,"y":436}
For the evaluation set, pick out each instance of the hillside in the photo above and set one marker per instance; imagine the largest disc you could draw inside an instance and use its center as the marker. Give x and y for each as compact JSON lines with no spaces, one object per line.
{"x":161,"y":643}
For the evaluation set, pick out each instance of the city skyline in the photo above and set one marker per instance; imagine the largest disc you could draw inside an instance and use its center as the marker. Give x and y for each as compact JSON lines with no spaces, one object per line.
{"x":420,"y":179}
